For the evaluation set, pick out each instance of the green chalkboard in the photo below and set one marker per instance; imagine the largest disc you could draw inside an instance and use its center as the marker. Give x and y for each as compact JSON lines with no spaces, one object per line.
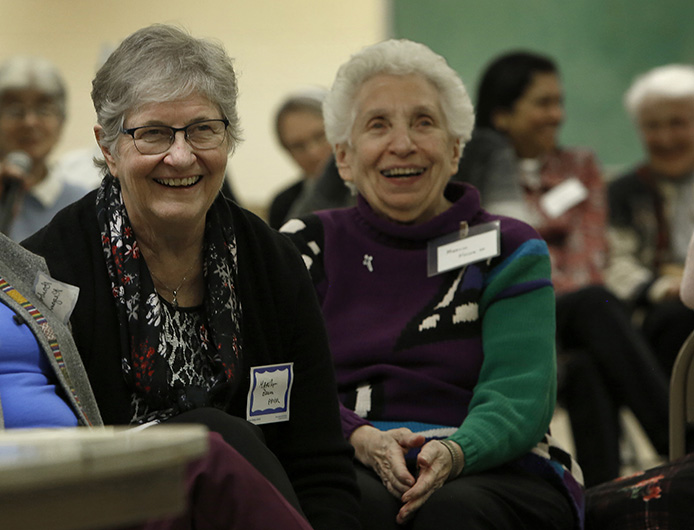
{"x":599,"y":45}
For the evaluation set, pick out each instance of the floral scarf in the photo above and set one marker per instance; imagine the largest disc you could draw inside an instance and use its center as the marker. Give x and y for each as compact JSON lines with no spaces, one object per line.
{"x":140,"y":308}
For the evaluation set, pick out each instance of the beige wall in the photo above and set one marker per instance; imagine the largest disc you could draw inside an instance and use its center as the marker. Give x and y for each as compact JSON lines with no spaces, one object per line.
{"x":278,"y":46}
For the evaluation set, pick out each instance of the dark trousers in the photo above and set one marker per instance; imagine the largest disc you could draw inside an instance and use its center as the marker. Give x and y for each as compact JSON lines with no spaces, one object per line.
{"x":613,"y":366}
{"x":249,"y":441}
{"x":666,"y":326}
{"x":498,"y":499}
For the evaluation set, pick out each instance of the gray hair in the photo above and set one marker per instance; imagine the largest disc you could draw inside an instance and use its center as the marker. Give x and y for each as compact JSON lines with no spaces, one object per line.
{"x":673,"y":81}
{"x":308,"y":100}
{"x":396,"y":57}
{"x":24,"y":72}
{"x":163,"y":63}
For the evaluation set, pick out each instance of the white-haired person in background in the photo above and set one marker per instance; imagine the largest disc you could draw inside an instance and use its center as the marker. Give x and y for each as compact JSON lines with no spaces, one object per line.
{"x":32,"y":115}
{"x":651,"y":208}
{"x":300,"y":131}
{"x":445,"y":359}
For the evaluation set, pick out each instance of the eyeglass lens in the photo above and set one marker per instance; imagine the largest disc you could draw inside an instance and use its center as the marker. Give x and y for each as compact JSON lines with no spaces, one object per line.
{"x":158,"y":138}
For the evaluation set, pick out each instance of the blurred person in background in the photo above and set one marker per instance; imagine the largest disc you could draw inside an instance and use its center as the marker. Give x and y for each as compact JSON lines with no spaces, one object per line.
{"x":300,"y":131}
{"x":652,"y":208}
{"x":32,"y":115}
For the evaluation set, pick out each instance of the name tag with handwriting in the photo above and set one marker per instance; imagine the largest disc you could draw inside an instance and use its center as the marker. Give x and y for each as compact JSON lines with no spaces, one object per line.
{"x":458,"y":249}
{"x":59,"y":297}
{"x":270,"y":393}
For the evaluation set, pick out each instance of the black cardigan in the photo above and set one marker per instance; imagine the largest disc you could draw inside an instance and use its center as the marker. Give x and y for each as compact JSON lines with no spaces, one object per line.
{"x":281,"y":322}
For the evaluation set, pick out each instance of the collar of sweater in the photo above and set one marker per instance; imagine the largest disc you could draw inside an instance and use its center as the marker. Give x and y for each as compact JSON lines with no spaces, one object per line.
{"x":465,"y":207}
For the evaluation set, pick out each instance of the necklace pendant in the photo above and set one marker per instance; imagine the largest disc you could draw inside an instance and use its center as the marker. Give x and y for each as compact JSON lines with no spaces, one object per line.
{"x":174,"y":301}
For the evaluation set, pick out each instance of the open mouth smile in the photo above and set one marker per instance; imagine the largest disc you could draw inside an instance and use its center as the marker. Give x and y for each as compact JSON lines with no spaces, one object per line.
{"x":179,"y":183}
{"x":402,"y":172}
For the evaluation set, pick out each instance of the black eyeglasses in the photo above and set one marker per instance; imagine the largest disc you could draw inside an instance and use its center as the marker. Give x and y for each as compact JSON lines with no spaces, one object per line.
{"x":156,"y":139}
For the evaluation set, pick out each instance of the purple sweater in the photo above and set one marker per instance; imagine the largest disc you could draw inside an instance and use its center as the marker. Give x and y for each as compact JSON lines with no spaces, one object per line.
{"x":471,"y":349}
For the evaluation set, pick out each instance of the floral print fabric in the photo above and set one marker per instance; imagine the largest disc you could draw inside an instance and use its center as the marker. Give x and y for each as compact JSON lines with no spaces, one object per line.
{"x":160,"y":390}
{"x":658,"y":498}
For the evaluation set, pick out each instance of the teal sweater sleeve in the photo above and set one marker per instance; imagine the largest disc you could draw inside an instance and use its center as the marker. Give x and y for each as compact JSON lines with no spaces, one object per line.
{"x":514,"y":398}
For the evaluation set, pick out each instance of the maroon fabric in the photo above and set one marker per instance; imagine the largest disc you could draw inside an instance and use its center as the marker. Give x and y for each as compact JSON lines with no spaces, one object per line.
{"x":225,"y":492}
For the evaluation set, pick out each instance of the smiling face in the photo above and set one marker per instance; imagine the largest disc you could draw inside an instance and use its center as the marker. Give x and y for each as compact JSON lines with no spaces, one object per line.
{"x":400,"y":155}
{"x":667,"y":131}
{"x":172,"y":190}
{"x":533,"y":122}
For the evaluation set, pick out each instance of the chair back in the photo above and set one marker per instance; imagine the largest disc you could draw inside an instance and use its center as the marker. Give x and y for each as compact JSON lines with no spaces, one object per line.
{"x":681,"y":398}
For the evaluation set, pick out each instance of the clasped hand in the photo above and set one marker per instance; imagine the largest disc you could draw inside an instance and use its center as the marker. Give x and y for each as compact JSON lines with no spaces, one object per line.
{"x":384,"y":452}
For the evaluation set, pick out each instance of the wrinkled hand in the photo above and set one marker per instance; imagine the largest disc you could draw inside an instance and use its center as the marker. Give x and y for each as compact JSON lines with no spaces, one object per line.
{"x":384,"y":452}
{"x":434,"y":463}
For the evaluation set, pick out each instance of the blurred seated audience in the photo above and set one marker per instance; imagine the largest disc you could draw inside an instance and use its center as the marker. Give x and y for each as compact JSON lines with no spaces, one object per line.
{"x":446,"y":369}
{"x":32,"y":115}
{"x":43,"y":384}
{"x":651,"y":208}
{"x":521,"y":170}
{"x":300,"y":131}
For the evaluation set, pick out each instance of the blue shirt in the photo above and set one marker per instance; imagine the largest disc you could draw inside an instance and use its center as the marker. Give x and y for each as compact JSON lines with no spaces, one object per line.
{"x":41,"y":203}
{"x":28,"y":391}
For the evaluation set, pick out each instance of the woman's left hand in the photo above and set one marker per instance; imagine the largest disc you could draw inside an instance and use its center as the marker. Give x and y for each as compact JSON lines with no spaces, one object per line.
{"x":434,"y":463}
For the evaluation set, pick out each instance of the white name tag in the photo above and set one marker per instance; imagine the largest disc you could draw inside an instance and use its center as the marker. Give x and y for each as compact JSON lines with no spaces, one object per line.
{"x":458,"y":249}
{"x":564,"y":196}
{"x":59,"y":297}
{"x":269,"y":394}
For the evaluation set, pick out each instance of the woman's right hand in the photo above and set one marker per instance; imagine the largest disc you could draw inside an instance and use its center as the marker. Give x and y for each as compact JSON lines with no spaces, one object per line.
{"x":384,"y":452}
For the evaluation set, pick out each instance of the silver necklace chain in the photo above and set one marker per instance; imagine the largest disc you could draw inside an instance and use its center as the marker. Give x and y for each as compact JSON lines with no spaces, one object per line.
{"x":174,"y":292}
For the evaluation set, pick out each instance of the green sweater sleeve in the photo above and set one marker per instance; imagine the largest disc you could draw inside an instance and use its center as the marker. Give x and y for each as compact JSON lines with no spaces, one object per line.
{"x":514,"y":398}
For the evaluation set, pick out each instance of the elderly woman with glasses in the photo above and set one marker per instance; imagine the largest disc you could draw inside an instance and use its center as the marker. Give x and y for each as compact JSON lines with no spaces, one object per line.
{"x":190,"y":308}
{"x":440,"y":315}
{"x":32,"y":114}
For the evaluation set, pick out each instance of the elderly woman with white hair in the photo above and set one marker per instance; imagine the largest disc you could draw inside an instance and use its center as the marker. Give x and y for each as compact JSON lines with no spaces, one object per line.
{"x":651,"y":215}
{"x":32,"y":114}
{"x":440,"y":315}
